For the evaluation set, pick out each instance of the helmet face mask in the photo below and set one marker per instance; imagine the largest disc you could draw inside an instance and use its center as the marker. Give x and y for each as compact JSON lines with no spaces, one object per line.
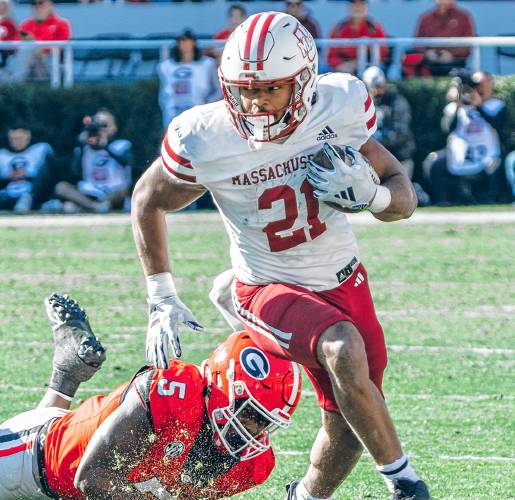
{"x":252,"y":394}
{"x":269,"y":49}
{"x":244,"y":430}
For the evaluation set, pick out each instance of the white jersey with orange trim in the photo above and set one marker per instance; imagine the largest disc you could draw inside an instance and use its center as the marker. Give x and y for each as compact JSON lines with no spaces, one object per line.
{"x":279,"y":231}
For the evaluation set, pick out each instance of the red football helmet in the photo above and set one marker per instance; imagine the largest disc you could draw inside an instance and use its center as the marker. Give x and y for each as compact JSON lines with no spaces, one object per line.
{"x":269,"y":49}
{"x":252,"y":393}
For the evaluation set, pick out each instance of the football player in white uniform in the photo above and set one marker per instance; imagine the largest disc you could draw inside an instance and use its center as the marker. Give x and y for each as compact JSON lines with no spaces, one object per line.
{"x":300,"y":288}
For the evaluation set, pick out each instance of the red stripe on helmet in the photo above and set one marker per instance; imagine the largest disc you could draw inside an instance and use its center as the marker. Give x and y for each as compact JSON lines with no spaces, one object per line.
{"x":248,"y":41}
{"x":371,"y":122}
{"x":262,"y":38}
{"x":368,"y":102}
{"x":175,"y":157}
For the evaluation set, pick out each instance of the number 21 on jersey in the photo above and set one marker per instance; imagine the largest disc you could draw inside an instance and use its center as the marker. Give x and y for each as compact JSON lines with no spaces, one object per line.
{"x":288,"y":195}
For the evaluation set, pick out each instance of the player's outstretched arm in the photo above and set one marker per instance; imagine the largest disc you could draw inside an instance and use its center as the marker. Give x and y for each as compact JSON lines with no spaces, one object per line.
{"x":114,"y":450}
{"x":394,"y":177}
{"x":155,"y":194}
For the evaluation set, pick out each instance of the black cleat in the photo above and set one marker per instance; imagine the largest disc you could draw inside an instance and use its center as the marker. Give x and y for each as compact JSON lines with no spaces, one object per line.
{"x":78,"y":353}
{"x":290,"y":490}
{"x":409,"y":490}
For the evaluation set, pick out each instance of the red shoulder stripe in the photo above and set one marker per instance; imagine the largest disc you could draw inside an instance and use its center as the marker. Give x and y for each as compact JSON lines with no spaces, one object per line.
{"x":368,"y":102}
{"x":189,"y":178}
{"x":371,"y":122}
{"x":174,"y":156}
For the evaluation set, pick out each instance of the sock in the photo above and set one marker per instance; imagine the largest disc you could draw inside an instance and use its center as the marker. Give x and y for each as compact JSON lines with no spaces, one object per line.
{"x":61,"y":395}
{"x":400,"y":469}
{"x":62,"y":383}
{"x":301,"y":493}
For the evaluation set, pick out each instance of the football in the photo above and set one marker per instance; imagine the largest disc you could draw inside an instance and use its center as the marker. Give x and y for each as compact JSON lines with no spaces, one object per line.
{"x":321,"y":159}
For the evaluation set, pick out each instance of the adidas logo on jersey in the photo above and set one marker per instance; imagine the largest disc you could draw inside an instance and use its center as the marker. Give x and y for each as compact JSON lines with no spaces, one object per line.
{"x":326,"y":134}
{"x":359,"y":279}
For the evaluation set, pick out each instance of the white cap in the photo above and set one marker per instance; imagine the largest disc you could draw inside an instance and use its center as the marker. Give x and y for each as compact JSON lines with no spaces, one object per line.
{"x":374,"y":77}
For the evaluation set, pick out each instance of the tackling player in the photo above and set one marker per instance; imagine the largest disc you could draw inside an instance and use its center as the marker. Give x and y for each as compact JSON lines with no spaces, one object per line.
{"x":300,"y":289}
{"x":183,"y":432}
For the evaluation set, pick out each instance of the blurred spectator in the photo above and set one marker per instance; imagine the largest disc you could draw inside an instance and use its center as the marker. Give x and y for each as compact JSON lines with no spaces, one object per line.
{"x":187,"y":79}
{"x":445,"y":20}
{"x":495,"y":112}
{"x":21,"y":165}
{"x":493,"y":109}
{"x":466,"y":171}
{"x":393,"y":117}
{"x":393,"y":123}
{"x":509,"y":166}
{"x":100,"y":170}
{"x":357,"y":25}
{"x":44,"y":25}
{"x":296,"y":8}
{"x":235,"y":15}
{"x":8,"y":30}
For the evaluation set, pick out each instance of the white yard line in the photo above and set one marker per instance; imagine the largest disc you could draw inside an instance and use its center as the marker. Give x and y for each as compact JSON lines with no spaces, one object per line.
{"x":483,"y":351}
{"x":420,"y":217}
{"x":306,"y":394}
{"x":17,"y":340}
{"x":436,"y":397}
{"x":21,"y":388}
{"x":472,"y":458}
{"x":463,"y":458}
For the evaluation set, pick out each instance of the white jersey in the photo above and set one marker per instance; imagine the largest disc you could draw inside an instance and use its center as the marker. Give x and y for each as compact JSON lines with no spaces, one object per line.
{"x":102,"y":172}
{"x":279,"y":232}
{"x":184,"y":85}
{"x":474,"y":145}
{"x":22,"y":167}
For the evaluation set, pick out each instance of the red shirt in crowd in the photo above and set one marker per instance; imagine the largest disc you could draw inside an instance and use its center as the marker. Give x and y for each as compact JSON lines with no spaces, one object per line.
{"x":223,"y":34}
{"x":347,"y":29}
{"x":451,"y":23}
{"x":52,"y":28}
{"x":7,"y":29}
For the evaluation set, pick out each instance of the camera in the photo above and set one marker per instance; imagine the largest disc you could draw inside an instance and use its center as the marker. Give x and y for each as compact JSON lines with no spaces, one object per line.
{"x":465,"y":84}
{"x":92,"y":127}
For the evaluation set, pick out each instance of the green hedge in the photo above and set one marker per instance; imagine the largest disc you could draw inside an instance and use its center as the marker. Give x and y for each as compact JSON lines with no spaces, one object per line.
{"x":55,"y":115}
{"x":427,"y":100}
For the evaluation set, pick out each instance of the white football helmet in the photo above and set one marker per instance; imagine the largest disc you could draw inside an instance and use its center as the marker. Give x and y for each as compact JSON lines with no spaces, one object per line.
{"x":269,"y":49}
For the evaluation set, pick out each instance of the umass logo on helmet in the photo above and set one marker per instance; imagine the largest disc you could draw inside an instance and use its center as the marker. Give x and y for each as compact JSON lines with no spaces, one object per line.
{"x":255,"y":363}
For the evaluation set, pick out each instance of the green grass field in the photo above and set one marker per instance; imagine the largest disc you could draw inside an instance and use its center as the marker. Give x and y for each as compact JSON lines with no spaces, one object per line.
{"x":445,"y":295}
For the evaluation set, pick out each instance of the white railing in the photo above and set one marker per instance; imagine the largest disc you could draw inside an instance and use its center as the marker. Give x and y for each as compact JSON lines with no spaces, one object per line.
{"x":62,"y":71}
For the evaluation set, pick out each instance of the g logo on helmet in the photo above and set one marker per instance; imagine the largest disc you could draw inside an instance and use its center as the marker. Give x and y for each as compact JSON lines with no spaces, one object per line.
{"x":255,"y":363}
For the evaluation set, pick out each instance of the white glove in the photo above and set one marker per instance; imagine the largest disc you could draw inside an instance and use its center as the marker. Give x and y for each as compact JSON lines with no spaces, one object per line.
{"x":166,"y":313}
{"x":351,"y":182}
{"x":165,"y":316}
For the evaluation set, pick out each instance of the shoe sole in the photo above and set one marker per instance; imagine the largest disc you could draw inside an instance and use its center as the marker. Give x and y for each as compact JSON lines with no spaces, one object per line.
{"x":70,"y":325}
